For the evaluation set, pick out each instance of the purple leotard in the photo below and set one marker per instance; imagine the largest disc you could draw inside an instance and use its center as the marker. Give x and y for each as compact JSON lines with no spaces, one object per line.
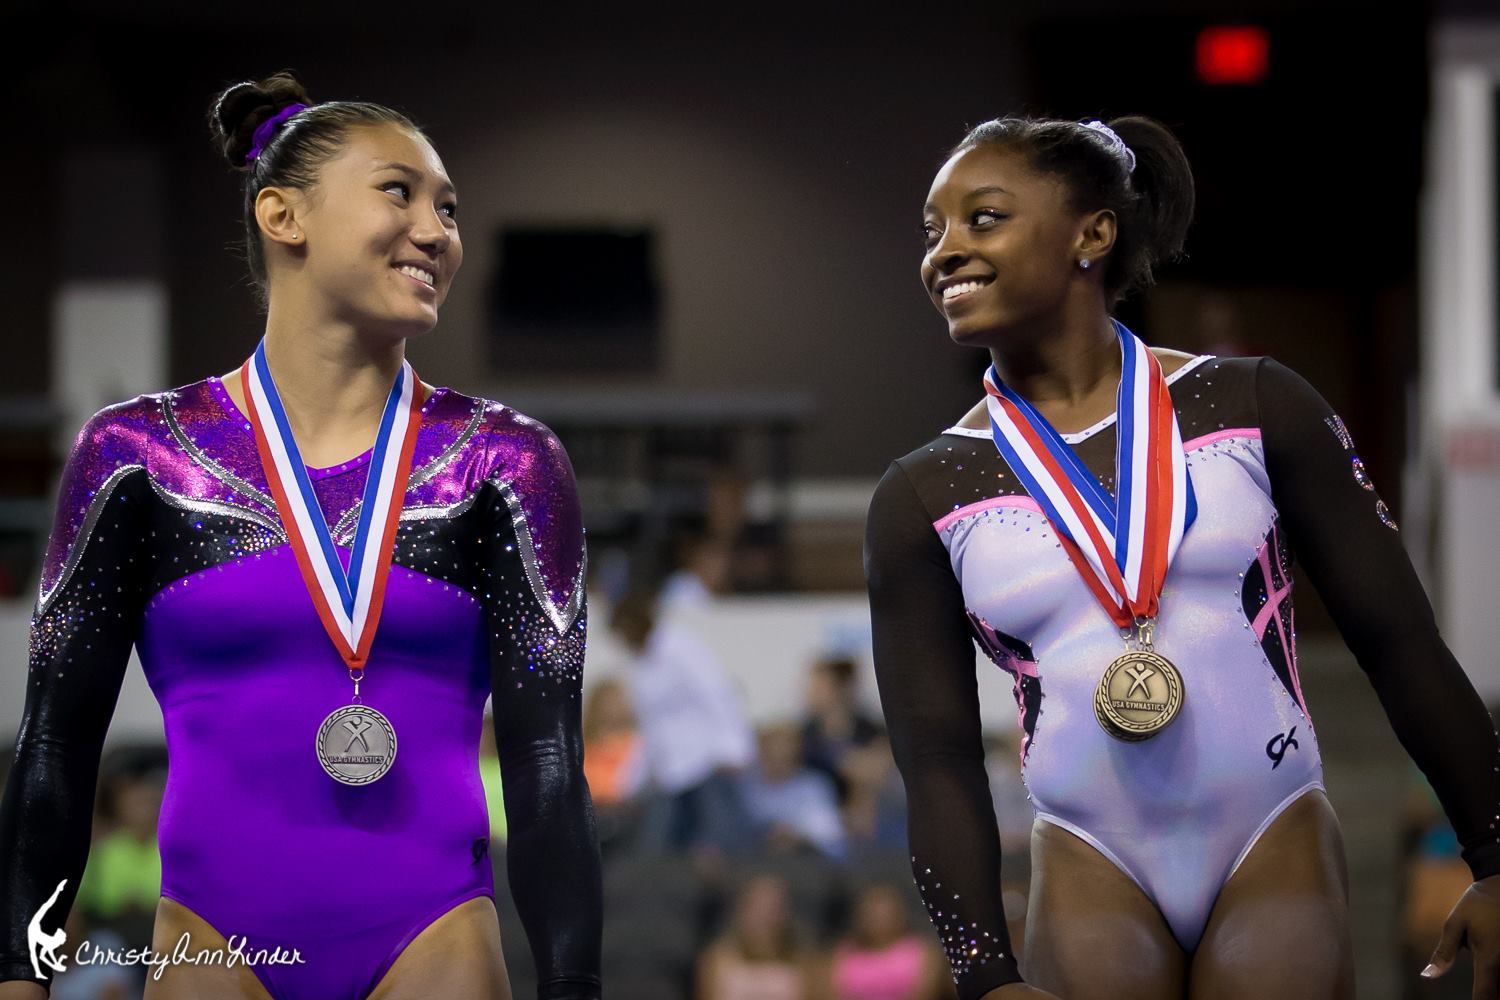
{"x":167,"y":536}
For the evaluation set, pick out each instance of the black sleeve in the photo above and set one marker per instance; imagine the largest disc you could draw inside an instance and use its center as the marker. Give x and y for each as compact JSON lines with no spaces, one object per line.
{"x":82,"y":631}
{"x":924,"y":665}
{"x":536,"y":675}
{"x":1348,"y":541}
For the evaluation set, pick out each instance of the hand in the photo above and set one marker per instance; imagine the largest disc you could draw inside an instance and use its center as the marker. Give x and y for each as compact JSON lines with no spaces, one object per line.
{"x":1475,"y":923}
{"x":1019,"y":991}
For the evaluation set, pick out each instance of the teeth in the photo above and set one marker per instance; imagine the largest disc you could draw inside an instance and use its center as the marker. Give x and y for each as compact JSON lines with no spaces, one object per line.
{"x":418,"y":273}
{"x":962,"y":288}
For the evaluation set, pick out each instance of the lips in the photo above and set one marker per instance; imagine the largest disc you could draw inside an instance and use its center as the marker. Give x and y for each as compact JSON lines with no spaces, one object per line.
{"x":957,"y":289}
{"x":419,"y":273}
{"x":962,"y":288}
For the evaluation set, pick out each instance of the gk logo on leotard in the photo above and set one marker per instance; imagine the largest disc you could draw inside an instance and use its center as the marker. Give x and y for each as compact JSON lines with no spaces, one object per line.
{"x":1279,"y":745}
{"x":43,"y":946}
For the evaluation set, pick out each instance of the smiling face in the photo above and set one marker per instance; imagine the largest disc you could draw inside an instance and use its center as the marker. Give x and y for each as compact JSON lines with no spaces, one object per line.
{"x":1002,"y":244}
{"x":380,"y":230}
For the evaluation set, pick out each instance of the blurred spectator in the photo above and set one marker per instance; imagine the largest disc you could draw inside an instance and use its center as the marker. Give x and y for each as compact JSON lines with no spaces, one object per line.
{"x":1013,"y":816}
{"x":875,"y":807}
{"x":792,"y":807}
{"x":702,"y":570}
{"x":834,"y":727}
{"x":760,"y":956}
{"x":1002,"y":762}
{"x":882,"y":958}
{"x":489,"y":776}
{"x":612,"y":759}
{"x":694,"y":735}
{"x":121,"y":883}
{"x":1433,"y":877}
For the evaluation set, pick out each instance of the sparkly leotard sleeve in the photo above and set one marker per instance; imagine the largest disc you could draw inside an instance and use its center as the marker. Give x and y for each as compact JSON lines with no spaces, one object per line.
{"x":536,"y":617}
{"x":166,"y":538}
{"x":1345,"y":537}
{"x":81,"y":636}
{"x":956,"y":553}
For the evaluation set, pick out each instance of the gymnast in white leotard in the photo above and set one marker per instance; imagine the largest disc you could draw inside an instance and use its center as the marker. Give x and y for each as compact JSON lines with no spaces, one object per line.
{"x":1205,"y":860}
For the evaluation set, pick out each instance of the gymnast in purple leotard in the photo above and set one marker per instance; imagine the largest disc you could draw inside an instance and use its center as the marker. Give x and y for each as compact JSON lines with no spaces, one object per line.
{"x":168,"y":537}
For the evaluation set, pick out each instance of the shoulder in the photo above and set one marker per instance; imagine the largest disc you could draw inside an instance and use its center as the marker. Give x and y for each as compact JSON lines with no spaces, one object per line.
{"x":914,"y":493}
{"x":516,"y":447}
{"x":1170,"y":359}
{"x":1262,"y":378}
{"x":118,"y":435}
{"x":897,"y":487}
{"x":107,"y":460}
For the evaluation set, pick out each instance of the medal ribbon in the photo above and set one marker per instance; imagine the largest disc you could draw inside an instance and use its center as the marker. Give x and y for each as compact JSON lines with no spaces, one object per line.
{"x":349,"y":603}
{"x":1122,"y":546}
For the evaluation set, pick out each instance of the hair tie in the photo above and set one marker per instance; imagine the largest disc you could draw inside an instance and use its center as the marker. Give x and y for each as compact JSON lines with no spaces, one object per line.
{"x":267,"y":128}
{"x":1115,"y":142}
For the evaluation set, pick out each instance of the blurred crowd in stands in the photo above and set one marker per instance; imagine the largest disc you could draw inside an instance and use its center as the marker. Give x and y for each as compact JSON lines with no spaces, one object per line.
{"x":739,"y":863}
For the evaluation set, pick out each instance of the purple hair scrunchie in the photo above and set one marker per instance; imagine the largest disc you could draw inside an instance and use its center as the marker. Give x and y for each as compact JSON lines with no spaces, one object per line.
{"x":267,"y":128}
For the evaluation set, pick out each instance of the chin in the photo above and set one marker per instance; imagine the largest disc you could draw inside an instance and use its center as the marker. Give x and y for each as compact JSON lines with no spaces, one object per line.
{"x":972,"y":332}
{"x":410,"y":322}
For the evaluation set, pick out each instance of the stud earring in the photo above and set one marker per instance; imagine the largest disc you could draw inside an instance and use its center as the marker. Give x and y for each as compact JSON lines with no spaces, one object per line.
{"x":1084,"y":263}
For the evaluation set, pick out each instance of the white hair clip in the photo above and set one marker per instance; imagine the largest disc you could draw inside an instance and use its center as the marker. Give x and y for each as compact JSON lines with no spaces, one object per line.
{"x":1115,"y":142}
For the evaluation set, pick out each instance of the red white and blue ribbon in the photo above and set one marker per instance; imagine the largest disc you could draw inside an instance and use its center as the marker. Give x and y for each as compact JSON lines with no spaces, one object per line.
{"x":348,"y":602}
{"x":1121,"y":546}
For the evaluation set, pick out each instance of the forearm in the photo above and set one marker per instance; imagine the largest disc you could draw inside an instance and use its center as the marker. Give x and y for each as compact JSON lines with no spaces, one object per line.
{"x":45,"y":822}
{"x":1444,"y":726}
{"x":552,"y":861}
{"x":955,"y":850}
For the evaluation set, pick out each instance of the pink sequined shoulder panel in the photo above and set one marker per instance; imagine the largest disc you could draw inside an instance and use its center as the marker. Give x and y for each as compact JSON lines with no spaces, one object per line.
{"x":529,"y":466}
{"x":114,"y":443}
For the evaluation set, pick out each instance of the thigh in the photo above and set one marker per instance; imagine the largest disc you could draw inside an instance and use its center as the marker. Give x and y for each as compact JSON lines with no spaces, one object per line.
{"x":176,"y":923}
{"x":458,"y":955}
{"x":1280,"y":926}
{"x":1090,"y":930}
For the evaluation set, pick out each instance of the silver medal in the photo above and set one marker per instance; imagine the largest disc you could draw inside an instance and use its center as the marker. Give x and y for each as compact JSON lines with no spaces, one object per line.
{"x":356,"y":745}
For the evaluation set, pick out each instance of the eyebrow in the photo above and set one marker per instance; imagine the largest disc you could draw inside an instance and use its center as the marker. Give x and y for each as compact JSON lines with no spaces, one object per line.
{"x":411,"y":171}
{"x":988,"y":189}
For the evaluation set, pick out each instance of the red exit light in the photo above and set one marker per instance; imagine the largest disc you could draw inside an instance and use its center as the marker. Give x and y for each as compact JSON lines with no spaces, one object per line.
{"x":1233,"y":54}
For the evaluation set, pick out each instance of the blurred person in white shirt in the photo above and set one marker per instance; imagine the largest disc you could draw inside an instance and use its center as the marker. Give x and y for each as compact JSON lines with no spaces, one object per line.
{"x":695,"y":736}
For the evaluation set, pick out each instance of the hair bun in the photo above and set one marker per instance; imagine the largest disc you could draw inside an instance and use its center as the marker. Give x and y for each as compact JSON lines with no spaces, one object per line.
{"x":242,"y":107}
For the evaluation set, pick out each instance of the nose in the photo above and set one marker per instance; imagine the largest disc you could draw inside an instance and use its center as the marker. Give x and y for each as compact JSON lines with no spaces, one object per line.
{"x":949,"y":253}
{"x":431,"y":234}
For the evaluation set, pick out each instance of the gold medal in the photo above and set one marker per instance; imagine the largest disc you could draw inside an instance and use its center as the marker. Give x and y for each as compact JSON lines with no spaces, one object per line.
{"x":1140,"y":693}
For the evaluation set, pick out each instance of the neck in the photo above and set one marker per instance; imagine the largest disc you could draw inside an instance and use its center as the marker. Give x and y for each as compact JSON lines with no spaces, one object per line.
{"x":333,"y":378}
{"x":1061,"y":361}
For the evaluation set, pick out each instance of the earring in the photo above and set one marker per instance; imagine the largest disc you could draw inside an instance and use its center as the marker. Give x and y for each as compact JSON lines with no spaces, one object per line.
{"x":1084,"y":263}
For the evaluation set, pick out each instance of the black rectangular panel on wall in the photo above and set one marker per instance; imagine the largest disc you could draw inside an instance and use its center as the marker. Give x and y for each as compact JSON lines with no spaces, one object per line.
{"x":571,"y":298}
